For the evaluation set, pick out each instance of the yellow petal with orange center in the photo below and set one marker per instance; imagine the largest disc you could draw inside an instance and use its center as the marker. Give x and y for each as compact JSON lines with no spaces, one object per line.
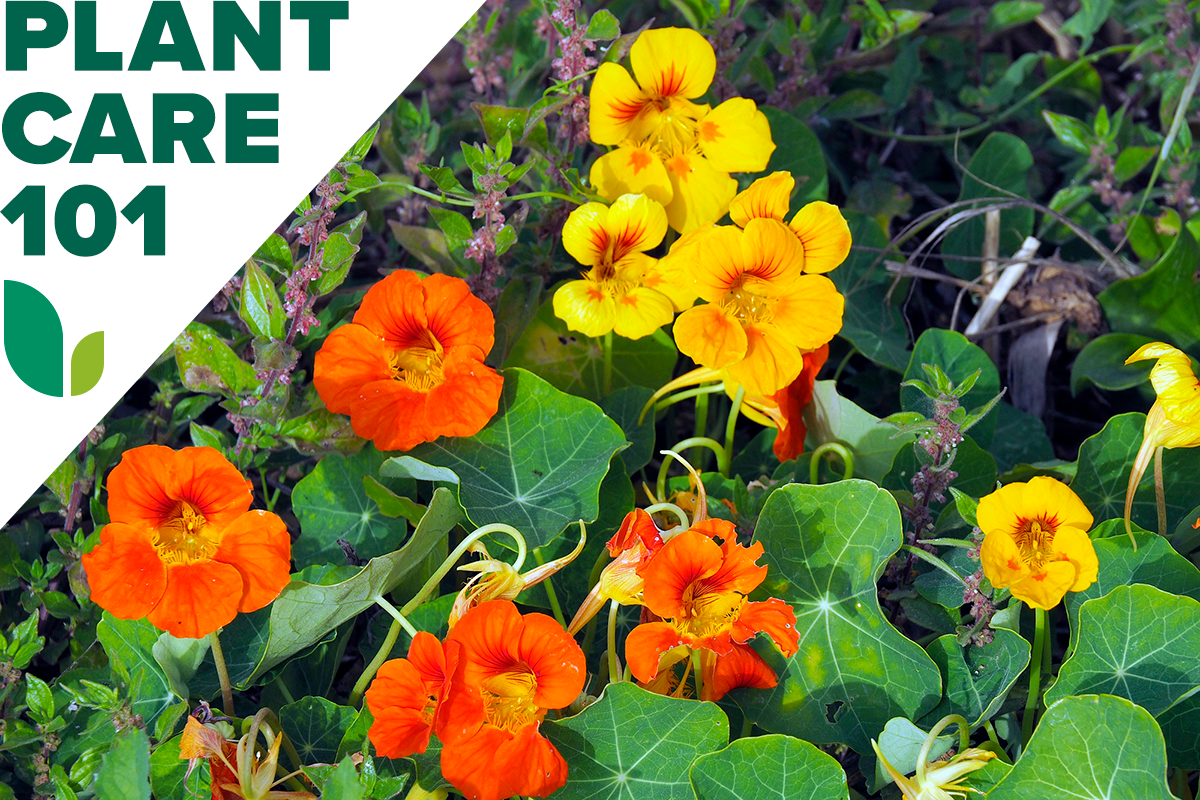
{"x":771,"y":362}
{"x":766,"y":198}
{"x":1174,"y":382}
{"x":584,"y":235}
{"x":825,"y":235}
{"x":585,"y":307}
{"x":635,"y":223}
{"x":632,"y":169}
{"x":673,"y":62}
{"x":736,"y":137}
{"x":1075,"y":546}
{"x":1002,"y":561}
{"x":773,"y":255}
{"x":640,"y":312}
{"x":673,"y":280}
{"x":618,"y":107}
{"x":710,"y":337}
{"x":810,"y":314}
{"x":1045,"y":587}
{"x":701,"y":193}
{"x":713,"y":257}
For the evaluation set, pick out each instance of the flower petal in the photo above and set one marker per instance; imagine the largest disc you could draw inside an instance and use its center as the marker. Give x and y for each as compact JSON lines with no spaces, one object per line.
{"x":773,"y":617}
{"x":1001,"y":559}
{"x":144,"y":488}
{"x":585,"y":307}
{"x":258,"y":546}
{"x":736,"y":137}
{"x":789,"y":442}
{"x":645,"y":645}
{"x":740,"y":668}
{"x":456,"y":317}
{"x":810,"y":315}
{"x":1174,"y":382}
{"x":772,"y":255}
{"x":555,"y":659}
{"x":1044,"y":588}
{"x":710,"y":336}
{"x":1072,"y":544}
{"x":673,"y":62}
{"x":616,"y":105}
{"x":392,"y":415}
{"x":124,"y":573}
{"x":394,"y":309}
{"x":199,"y":599}
{"x":351,"y":357}
{"x":584,"y":234}
{"x":635,"y":224}
{"x":1003,"y":509}
{"x":714,"y":258}
{"x":398,"y":699}
{"x":641,"y":312}
{"x":676,"y":569}
{"x":825,"y":235}
{"x":496,"y":764}
{"x":767,"y":198}
{"x":771,"y":362}
{"x":632,"y":169}
{"x":467,"y":398}
{"x":701,"y":192}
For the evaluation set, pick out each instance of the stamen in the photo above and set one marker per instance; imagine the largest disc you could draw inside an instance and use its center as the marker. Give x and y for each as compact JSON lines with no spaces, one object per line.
{"x":185,"y":537}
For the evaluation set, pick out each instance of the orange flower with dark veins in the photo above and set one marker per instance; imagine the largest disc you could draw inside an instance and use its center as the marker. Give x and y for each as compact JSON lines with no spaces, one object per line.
{"x":699,"y":589}
{"x":405,"y":695}
{"x":511,"y":669}
{"x":409,"y":368}
{"x":183,"y":549}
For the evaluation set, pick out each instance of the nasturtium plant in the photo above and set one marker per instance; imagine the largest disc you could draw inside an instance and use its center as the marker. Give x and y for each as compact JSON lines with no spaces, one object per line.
{"x":706,"y":401}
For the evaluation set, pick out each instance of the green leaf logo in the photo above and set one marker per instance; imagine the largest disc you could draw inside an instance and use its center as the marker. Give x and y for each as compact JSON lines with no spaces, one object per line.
{"x":33,"y":344}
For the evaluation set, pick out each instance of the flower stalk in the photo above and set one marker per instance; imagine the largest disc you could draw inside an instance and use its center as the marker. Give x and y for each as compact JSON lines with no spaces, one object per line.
{"x":1036,"y":664}
{"x":222,"y":672}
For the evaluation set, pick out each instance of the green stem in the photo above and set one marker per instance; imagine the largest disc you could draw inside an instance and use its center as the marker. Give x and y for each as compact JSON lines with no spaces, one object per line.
{"x":700,"y":429}
{"x":1160,"y":498}
{"x":608,"y":363}
{"x":671,"y":400}
{"x":843,"y":452}
{"x":747,"y":726}
{"x":400,"y":619}
{"x":696,"y":676}
{"x":930,"y":558}
{"x":1035,"y":675}
{"x":730,"y":426}
{"x":837,"y":373}
{"x":991,"y":732}
{"x":695,"y":441}
{"x":547,"y":195}
{"x":430,"y":586}
{"x":287,"y":694}
{"x":684,"y":522}
{"x":614,"y":664}
{"x":964,"y":741}
{"x":222,"y":673}
{"x":550,"y":593}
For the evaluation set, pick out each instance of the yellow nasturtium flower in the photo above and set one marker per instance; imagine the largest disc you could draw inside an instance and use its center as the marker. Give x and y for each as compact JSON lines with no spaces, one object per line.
{"x":677,"y":152}
{"x":615,"y":294}
{"x":1174,"y":419}
{"x":1036,"y":541}
{"x":822,"y":230}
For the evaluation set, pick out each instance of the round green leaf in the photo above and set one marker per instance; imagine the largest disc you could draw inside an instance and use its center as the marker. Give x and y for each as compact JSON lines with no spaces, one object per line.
{"x":825,"y":548}
{"x":1136,"y":642}
{"x":1164,"y":302}
{"x":316,"y":726}
{"x":631,"y":745}
{"x":1094,"y":747}
{"x":536,"y":466}
{"x":1102,"y":363}
{"x":977,"y":679}
{"x":1104,"y":464}
{"x":765,"y":767}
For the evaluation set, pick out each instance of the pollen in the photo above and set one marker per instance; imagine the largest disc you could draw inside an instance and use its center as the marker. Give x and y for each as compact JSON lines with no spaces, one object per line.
{"x":186,"y":537}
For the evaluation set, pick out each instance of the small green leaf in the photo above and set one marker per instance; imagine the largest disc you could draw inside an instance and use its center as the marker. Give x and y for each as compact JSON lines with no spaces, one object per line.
{"x":169,"y":773}
{"x":958,"y":358}
{"x":1163,"y":303}
{"x":602,"y":26}
{"x":125,"y":770}
{"x":39,"y":699}
{"x":1131,"y":161}
{"x":261,"y":310}
{"x":457,"y":227}
{"x":1102,"y":363}
{"x":207,"y":364}
{"x":275,"y":254}
{"x":1072,"y":132}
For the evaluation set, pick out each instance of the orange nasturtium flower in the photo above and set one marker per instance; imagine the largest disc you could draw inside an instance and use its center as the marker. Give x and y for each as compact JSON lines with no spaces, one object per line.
{"x":678,"y":152}
{"x":1174,"y":419}
{"x":615,"y":294}
{"x":698,"y":589}
{"x":499,"y":674}
{"x":1035,"y":541}
{"x":183,"y":549}
{"x":763,"y":312}
{"x":410,"y":367}
{"x":631,"y":548}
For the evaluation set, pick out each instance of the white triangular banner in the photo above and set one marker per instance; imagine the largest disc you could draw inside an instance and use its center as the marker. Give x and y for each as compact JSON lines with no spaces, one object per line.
{"x":216,"y":214}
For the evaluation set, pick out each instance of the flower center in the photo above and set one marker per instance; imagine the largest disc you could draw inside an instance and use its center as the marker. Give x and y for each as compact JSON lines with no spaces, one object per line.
{"x":745,"y":305}
{"x":185,"y":537}
{"x":420,"y":366}
{"x":709,"y":612}
{"x":508,"y":698}
{"x":1035,"y":539}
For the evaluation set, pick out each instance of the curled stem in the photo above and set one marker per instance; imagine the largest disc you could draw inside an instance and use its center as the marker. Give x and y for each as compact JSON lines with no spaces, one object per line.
{"x":614,"y":663}
{"x":222,"y":673}
{"x":679,"y":513}
{"x":843,"y":452}
{"x":964,"y":741}
{"x":695,"y":441}
{"x":730,"y":425}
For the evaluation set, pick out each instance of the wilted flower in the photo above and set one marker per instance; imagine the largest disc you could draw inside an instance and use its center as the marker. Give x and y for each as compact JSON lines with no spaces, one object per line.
{"x":237,"y":767}
{"x":938,"y":780}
